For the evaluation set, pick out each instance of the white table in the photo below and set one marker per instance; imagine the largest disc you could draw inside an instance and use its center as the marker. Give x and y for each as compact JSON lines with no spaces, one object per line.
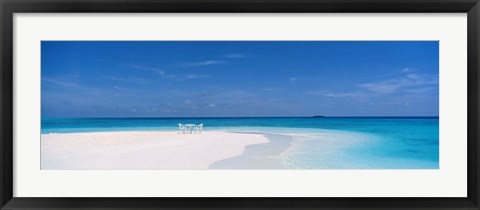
{"x":190,"y":128}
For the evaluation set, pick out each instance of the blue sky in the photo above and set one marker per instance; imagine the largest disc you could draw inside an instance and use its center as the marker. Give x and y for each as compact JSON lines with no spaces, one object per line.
{"x":239,"y":78}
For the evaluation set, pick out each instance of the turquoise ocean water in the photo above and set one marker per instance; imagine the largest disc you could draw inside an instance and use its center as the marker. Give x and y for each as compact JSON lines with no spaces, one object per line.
{"x":317,"y":143}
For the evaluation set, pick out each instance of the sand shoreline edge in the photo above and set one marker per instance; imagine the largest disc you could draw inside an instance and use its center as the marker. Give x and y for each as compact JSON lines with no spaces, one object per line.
{"x":263,"y":156}
{"x":149,"y":150}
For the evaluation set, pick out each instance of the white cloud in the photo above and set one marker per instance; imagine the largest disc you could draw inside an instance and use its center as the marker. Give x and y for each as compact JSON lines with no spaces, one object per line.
{"x":115,"y":78}
{"x":196,"y":76}
{"x":406,"y":70}
{"x":272,"y":89}
{"x":120,"y":88}
{"x":383,"y":87}
{"x":130,"y":79}
{"x":421,"y":90}
{"x":188,"y":77}
{"x":162,"y":73}
{"x":414,"y":77}
{"x":59,"y":82}
{"x":154,"y":70}
{"x":204,"y":63}
{"x":331,"y":94}
{"x":234,"y":55}
{"x":393,"y":85}
{"x":295,"y":79}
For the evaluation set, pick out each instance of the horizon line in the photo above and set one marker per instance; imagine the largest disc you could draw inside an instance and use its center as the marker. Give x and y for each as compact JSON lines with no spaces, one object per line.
{"x":315,"y":116}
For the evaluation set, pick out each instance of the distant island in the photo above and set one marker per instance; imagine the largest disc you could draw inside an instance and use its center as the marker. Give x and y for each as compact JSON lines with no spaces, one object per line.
{"x":318,"y":116}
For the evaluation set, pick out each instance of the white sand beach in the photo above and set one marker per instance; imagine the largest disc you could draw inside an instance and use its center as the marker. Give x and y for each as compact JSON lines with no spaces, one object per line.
{"x":142,"y":149}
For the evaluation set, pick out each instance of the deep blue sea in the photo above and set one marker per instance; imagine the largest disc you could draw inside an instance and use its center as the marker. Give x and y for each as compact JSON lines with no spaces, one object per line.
{"x":318,"y":143}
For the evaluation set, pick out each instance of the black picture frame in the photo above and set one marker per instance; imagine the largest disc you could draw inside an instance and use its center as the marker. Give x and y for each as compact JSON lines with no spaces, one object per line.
{"x":9,"y":7}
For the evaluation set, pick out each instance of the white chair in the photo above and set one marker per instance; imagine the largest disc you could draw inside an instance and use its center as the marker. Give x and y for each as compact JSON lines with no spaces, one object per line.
{"x":199,"y":128}
{"x":181,"y":128}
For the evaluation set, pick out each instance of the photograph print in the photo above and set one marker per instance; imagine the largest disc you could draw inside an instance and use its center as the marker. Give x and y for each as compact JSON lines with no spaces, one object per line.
{"x":242,"y":105}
